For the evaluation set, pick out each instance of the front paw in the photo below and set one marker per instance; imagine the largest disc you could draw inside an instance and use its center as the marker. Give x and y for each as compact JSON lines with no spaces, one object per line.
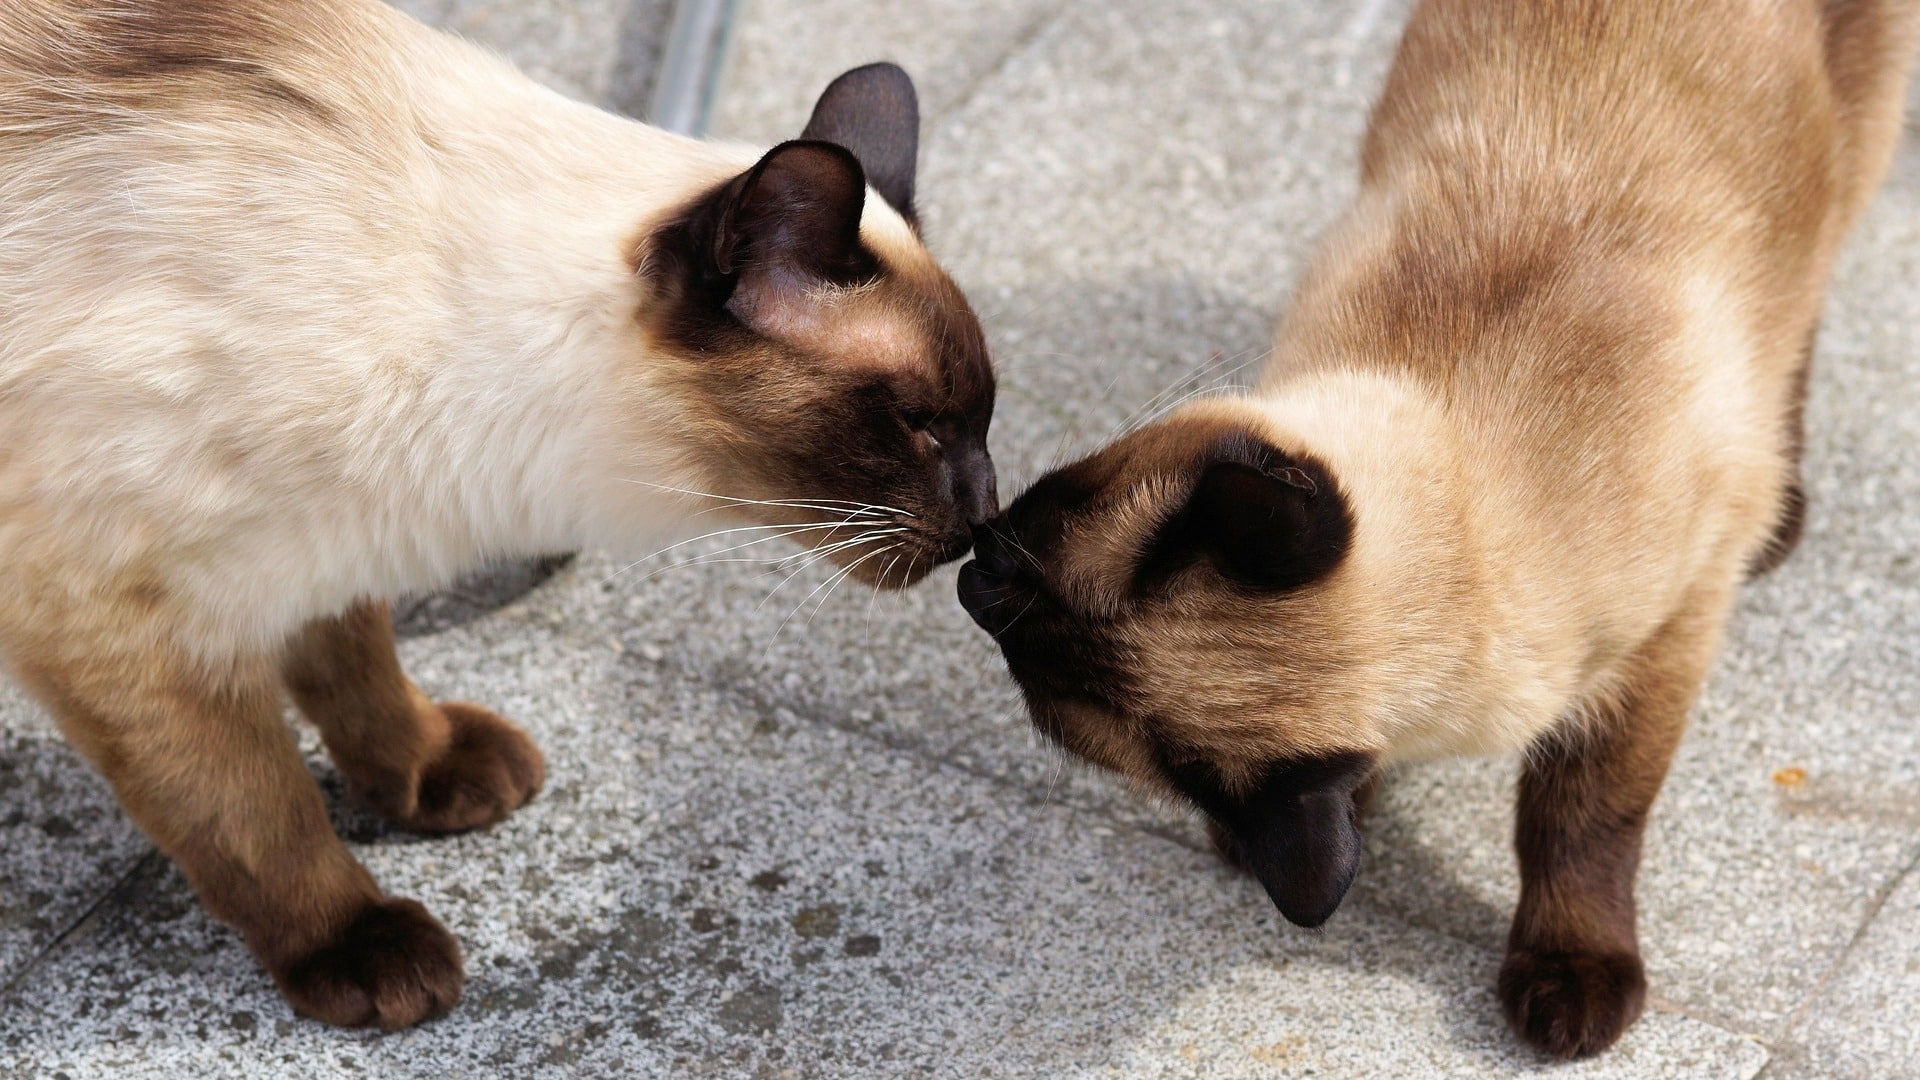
{"x":490,"y":769}
{"x":393,"y":966}
{"x":1571,"y":1004}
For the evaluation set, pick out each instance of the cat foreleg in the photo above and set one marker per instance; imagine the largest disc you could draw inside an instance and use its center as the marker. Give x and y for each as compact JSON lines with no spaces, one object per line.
{"x":428,"y":767}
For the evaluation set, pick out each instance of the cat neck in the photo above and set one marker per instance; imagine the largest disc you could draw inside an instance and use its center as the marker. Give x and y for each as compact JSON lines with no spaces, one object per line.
{"x":1468,"y":658}
{"x":547,"y":423}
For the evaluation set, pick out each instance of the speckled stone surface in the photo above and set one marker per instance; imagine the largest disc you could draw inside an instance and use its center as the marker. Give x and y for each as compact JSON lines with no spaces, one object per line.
{"x":792,"y":831}
{"x":1864,"y":1021}
{"x":714,"y":887}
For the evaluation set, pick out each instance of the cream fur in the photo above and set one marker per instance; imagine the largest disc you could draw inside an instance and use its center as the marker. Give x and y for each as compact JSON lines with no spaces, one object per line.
{"x":423,"y":352}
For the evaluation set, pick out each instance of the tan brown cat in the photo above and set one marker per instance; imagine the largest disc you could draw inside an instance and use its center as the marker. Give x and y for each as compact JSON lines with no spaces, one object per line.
{"x":1533,"y":416}
{"x":306,"y":305}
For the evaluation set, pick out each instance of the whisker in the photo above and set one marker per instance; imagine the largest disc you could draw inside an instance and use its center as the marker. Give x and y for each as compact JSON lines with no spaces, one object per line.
{"x":852,"y":542}
{"x":1217,"y":384}
{"x":1207,"y":375}
{"x":1208,"y":369}
{"x":842,"y":578}
{"x":1073,"y":431}
{"x":784,"y":531}
{"x":833,"y":579}
{"x":832,"y":506}
{"x":1053,"y":780}
{"x":874,"y":598}
{"x":1015,"y":621}
{"x":811,"y":558}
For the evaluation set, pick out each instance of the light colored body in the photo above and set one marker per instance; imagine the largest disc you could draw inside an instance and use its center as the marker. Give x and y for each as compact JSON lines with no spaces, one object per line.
{"x":304,"y":305}
{"x":423,"y":351}
{"x":1576,"y":398}
{"x":1533,"y":415}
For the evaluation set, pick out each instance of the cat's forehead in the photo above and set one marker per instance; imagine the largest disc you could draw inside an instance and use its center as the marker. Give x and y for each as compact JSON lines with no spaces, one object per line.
{"x":1090,"y":521}
{"x":1129,"y":480}
{"x":925,"y":311}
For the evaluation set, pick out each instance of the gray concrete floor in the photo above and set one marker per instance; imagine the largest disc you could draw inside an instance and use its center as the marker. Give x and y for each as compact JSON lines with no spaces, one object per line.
{"x":828,"y":845}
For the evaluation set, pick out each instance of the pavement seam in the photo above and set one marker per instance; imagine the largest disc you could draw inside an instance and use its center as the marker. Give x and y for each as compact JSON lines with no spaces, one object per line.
{"x":1879,"y":901}
{"x":106,"y":895}
{"x":1021,"y":42}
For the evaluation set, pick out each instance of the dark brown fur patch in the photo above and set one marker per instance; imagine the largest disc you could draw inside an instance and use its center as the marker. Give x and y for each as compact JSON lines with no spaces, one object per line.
{"x":392,"y":965}
{"x":815,"y":419}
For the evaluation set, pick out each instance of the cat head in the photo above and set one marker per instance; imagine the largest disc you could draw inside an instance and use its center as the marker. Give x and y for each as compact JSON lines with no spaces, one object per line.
{"x":1202,"y":607}
{"x":833,"y":370}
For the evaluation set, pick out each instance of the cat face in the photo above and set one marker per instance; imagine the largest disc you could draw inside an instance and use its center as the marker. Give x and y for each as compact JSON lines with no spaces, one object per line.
{"x":1172,"y":609}
{"x":833,"y":369}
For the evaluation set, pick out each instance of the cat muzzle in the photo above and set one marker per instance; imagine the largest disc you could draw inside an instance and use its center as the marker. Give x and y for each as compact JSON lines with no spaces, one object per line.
{"x":986,"y":582}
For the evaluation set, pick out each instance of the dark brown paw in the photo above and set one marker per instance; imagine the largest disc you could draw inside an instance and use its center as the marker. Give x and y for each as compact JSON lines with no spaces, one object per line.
{"x":1571,"y":1004}
{"x":490,"y":770}
{"x":394,"y":965}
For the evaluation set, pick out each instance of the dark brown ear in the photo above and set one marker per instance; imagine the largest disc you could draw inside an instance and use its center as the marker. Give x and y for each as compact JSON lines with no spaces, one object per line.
{"x":766,"y":239}
{"x":1295,"y":830}
{"x":1259,"y":517}
{"x":874,"y":112}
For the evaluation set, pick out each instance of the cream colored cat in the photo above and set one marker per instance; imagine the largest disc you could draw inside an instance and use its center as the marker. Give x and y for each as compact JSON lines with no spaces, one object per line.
{"x":1533,"y":415}
{"x":306,"y":305}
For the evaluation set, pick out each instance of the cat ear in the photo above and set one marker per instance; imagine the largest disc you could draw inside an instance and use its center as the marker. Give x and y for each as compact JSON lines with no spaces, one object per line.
{"x":1261,"y":518}
{"x":783,"y":228}
{"x":874,"y":112}
{"x":1295,"y":831}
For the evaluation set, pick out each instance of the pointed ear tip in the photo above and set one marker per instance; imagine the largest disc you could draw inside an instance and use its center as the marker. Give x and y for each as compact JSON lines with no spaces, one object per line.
{"x":879,"y":70}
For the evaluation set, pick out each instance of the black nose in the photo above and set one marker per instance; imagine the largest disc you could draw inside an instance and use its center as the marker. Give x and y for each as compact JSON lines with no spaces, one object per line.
{"x":986,"y":582}
{"x":974,"y":489}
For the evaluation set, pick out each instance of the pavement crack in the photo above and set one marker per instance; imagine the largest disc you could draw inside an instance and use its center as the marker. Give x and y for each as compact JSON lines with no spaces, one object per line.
{"x":1028,"y":34}
{"x":1867,"y":920}
{"x":20,"y":977}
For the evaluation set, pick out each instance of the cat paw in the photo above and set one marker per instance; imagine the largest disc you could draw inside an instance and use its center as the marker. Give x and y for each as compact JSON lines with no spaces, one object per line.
{"x":1571,"y":1004}
{"x":490,"y":769}
{"x":393,"y":966}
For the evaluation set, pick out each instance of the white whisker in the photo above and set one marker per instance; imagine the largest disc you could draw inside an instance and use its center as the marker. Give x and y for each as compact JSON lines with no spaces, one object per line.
{"x":829,"y":506}
{"x":783,"y":531}
{"x":832,"y":579}
{"x":853,"y":542}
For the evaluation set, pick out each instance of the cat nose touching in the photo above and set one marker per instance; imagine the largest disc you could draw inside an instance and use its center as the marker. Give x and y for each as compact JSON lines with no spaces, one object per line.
{"x":986,"y":582}
{"x":974,"y":491}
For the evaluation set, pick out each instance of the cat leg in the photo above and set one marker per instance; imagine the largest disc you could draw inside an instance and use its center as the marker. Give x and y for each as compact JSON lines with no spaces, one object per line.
{"x":206,"y":766}
{"x":427,"y":767}
{"x":1573,"y":981}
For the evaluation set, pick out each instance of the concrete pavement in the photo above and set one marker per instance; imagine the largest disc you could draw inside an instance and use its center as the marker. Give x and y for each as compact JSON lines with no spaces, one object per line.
{"x":812,"y":836}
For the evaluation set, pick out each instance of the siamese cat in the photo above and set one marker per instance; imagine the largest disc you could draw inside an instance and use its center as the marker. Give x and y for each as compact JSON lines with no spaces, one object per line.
{"x":306,"y":305}
{"x":1533,"y":416}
